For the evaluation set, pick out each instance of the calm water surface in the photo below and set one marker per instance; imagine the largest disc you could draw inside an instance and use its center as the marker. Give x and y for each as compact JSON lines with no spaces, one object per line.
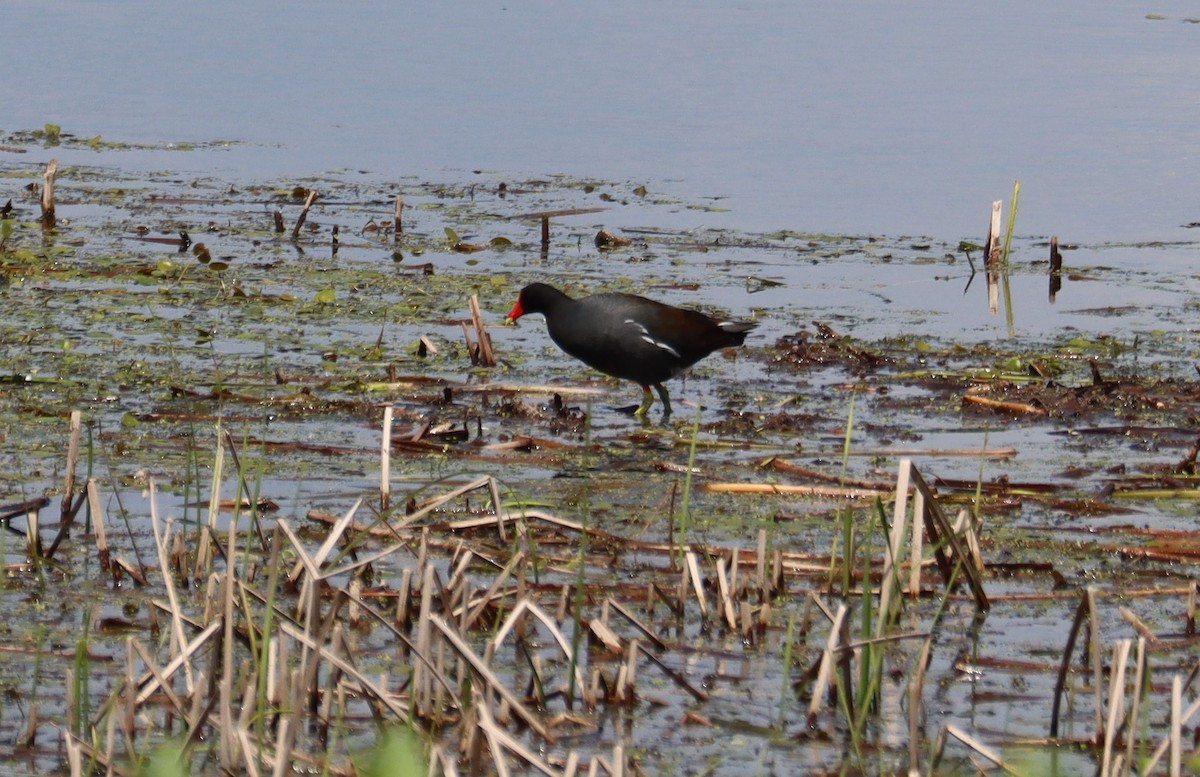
{"x":866,"y":117}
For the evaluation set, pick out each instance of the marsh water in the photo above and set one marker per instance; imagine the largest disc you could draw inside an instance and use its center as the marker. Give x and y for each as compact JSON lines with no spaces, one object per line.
{"x":859,"y":118}
{"x":792,"y":162}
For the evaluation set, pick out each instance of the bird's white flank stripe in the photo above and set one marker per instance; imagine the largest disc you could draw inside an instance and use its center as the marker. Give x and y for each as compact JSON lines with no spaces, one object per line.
{"x":646,"y":336}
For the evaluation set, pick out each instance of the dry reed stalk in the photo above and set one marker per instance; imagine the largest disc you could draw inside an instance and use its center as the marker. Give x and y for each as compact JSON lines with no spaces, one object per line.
{"x":917,"y":545}
{"x":791,"y":468}
{"x":385,"y":454}
{"x":991,"y":258}
{"x":308,"y":202}
{"x":129,"y":709}
{"x":344,"y":665}
{"x":783,"y":489}
{"x":397,"y":220}
{"x":1178,"y":718}
{"x":427,"y":507}
{"x":605,"y":635}
{"x":1136,"y":704}
{"x":502,"y":737}
{"x":74,"y":756}
{"x":404,"y":600}
{"x":824,"y":681}
{"x":493,"y":682}
{"x":1019,"y":408}
{"x":1116,"y":705}
{"x":625,"y":691}
{"x":227,"y":750}
{"x":976,"y":745}
{"x":965,"y":526}
{"x":939,"y":528}
{"x":1176,"y":728}
{"x":96,"y":509}
{"x":514,"y":617}
{"x":204,"y":551}
{"x":692,"y":574}
{"x":487,"y":357}
{"x":33,"y":538}
{"x":760,"y":569}
{"x":493,"y":591}
{"x":421,"y":682}
{"x":72,"y":462}
{"x":1137,"y":623}
{"x":679,"y":679}
{"x":48,"y":177}
{"x":159,"y":678}
{"x":637,"y":624}
{"x":723,"y":595}
{"x":890,"y":582}
{"x":1093,"y":650}
{"x":491,"y":732}
{"x":178,"y":638}
{"x":245,"y":487}
{"x":916,"y":695}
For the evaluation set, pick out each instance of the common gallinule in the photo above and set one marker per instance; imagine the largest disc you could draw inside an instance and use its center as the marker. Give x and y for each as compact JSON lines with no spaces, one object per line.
{"x":630,"y":337}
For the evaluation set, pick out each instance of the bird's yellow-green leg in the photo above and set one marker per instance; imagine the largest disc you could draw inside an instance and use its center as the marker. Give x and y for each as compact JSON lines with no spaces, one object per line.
{"x":647,"y":401}
{"x":662,"y":392}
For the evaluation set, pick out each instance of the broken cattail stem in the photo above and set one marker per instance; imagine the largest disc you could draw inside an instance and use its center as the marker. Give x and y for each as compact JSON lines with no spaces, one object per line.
{"x":692,"y":573}
{"x":279,"y":226}
{"x":1055,"y":268}
{"x":398,"y":223}
{"x":33,"y":537}
{"x":487,"y":357}
{"x":726,"y":599}
{"x":72,"y":460}
{"x":761,"y":566}
{"x":48,"y":217}
{"x":97,"y":512}
{"x":312,"y":196}
{"x":991,"y":259}
{"x":385,"y":449}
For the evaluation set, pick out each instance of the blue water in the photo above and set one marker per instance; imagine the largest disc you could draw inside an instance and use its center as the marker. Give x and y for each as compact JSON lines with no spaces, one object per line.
{"x":859,"y":117}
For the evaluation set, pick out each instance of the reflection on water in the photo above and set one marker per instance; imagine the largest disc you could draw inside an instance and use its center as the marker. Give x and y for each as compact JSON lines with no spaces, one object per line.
{"x":866,"y":117}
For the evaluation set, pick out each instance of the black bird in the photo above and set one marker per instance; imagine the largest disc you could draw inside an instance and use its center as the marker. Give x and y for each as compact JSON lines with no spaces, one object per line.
{"x":630,"y":337}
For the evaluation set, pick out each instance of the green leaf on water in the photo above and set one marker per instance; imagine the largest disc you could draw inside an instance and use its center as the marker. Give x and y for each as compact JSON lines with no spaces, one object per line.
{"x":452,"y":236}
{"x":326,"y":297}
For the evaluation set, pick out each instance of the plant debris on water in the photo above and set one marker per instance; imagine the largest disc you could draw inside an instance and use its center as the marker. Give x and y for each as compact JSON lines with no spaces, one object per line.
{"x":267,"y":508}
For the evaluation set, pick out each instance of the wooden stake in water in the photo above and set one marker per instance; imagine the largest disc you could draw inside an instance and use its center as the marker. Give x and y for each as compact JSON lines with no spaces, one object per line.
{"x":48,"y":218}
{"x":1055,"y":268}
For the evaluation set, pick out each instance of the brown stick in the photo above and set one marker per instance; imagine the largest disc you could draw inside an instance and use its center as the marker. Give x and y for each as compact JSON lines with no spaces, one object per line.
{"x":48,"y":219}
{"x":312,"y":196}
{"x":397,"y":222}
{"x":486,"y":356}
{"x":1055,"y":268}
